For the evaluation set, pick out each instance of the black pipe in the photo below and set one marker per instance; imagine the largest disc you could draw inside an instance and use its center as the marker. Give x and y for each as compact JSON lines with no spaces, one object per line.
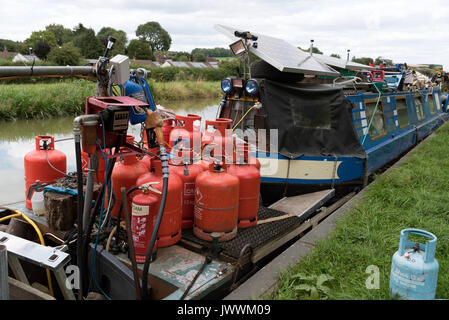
{"x":132,"y":252}
{"x":119,"y":214}
{"x":146,"y":266}
{"x":80,"y":206}
{"x":86,"y":235}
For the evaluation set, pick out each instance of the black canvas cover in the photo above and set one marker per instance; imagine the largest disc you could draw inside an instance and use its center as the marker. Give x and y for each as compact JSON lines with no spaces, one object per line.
{"x":312,"y":119}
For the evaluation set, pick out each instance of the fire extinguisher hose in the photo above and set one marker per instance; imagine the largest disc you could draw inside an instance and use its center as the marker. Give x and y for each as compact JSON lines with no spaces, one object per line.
{"x":146,"y":266}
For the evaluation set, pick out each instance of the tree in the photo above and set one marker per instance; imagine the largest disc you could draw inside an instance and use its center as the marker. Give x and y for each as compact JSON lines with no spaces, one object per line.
{"x":199,"y":57}
{"x":363,"y":60}
{"x":334,"y":55}
{"x":156,"y":36}
{"x":120,"y":39}
{"x":11,"y":46}
{"x":61,"y":34}
{"x":89,"y":45}
{"x":139,"y":49}
{"x":67,"y":54}
{"x":42,"y":49}
{"x":314,"y":50}
{"x":215,"y":52}
{"x":41,"y":36}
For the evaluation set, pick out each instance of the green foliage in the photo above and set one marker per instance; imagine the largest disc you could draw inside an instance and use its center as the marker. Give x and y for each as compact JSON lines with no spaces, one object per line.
{"x":67,"y":54}
{"x":40,"y":36}
{"x":11,"y":46}
{"x":177,"y":55}
{"x":9,"y":62}
{"x":42,"y":49}
{"x":313,"y":285}
{"x":199,"y":57}
{"x":89,"y":45}
{"x":138,"y":49}
{"x":61,"y":34}
{"x":227,"y":68}
{"x":363,"y":60}
{"x":215,"y":52}
{"x":156,"y":36}
{"x":120,"y":39}
{"x":412,"y":195}
{"x":67,"y":96}
{"x":314,"y":50}
{"x":335,"y":55}
{"x":26,"y":101}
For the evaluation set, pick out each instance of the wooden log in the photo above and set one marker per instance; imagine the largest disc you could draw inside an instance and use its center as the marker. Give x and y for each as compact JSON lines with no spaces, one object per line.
{"x":61,"y":208}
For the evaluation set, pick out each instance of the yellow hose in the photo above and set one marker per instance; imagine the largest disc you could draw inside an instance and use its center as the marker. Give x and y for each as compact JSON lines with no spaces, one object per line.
{"x":243,"y":116}
{"x":41,"y":239}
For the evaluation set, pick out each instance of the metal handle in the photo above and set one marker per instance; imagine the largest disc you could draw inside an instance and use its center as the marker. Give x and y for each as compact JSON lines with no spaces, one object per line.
{"x":429,"y":247}
{"x":50,"y":145}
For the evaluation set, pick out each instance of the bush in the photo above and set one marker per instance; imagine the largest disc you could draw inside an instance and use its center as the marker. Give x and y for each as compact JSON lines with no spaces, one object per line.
{"x":68,"y":54}
{"x":227,"y":68}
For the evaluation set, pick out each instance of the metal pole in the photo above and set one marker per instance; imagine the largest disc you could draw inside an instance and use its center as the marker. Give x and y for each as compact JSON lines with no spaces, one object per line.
{"x":4,"y":286}
{"x":89,"y":189}
{"x":11,"y":71}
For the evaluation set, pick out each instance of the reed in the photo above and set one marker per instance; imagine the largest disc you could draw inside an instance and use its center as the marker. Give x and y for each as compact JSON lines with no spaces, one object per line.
{"x":67,"y":97}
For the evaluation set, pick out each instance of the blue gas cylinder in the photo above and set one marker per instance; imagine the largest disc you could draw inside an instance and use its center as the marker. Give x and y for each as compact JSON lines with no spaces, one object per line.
{"x":414,"y":269}
{"x":136,"y":87}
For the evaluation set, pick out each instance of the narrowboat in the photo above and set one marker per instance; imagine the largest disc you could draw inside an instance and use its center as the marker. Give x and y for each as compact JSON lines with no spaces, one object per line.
{"x":332,"y":131}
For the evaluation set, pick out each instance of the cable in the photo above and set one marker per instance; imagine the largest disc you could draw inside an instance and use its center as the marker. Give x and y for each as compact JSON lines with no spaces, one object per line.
{"x":92,"y":271}
{"x":111,"y":235}
{"x":48,"y":161}
{"x":243,"y":116}
{"x":39,"y":234}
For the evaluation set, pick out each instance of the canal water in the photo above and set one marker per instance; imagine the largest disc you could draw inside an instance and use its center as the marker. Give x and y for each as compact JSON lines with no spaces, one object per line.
{"x":18,"y":138}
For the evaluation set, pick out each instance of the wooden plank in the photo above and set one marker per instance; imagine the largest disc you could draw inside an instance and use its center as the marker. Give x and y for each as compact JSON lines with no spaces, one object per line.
{"x":263,"y":251}
{"x":21,"y":291}
{"x":304,"y":204}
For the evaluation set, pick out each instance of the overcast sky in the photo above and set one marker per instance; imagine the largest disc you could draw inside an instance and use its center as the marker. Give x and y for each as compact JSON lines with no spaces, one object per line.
{"x":406,"y":31}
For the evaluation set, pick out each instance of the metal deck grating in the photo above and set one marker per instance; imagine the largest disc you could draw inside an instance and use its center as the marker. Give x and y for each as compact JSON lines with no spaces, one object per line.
{"x":257,"y":236}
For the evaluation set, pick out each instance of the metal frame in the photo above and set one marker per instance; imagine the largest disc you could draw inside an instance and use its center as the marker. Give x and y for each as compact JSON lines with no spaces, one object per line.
{"x":42,"y":256}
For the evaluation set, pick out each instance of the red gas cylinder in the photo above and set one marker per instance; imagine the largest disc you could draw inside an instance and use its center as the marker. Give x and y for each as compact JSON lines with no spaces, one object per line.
{"x":249,"y":177}
{"x":170,"y":228}
{"x":220,"y":141}
{"x":125,"y":174}
{"x":143,"y":217}
{"x":216,"y":204}
{"x":244,"y":150}
{"x":146,"y":160}
{"x":185,"y":133}
{"x":188,"y":174}
{"x":38,"y":168}
{"x":167,"y":127}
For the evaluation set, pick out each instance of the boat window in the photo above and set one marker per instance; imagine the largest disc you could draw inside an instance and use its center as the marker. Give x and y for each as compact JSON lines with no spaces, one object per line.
{"x":401,"y":107}
{"x":314,"y":116}
{"x":419,"y":108}
{"x":431,"y":103}
{"x":377,"y":128}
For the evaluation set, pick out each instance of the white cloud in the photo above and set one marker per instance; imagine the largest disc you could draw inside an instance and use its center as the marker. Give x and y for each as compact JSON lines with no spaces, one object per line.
{"x":410,"y":31}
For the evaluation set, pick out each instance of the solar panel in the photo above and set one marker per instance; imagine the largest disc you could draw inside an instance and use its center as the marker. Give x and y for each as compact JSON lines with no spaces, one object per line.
{"x":282,"y":55}
{"x":340,"y":63}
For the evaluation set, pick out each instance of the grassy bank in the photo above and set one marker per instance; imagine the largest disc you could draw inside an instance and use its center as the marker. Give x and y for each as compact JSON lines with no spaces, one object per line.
{"x":46,"y":100}
{"x":413,"y":195}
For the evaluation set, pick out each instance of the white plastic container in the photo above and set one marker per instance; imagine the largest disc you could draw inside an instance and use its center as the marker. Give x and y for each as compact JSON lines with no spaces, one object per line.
{"x":37,"y":203}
